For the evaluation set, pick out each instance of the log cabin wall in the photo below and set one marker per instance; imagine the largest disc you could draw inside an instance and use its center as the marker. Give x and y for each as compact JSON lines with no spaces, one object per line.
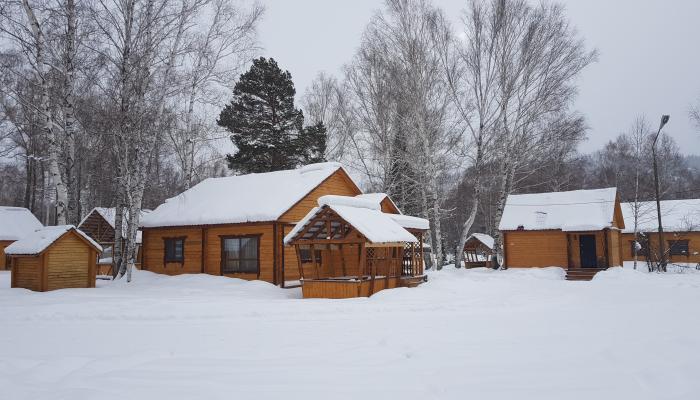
{"x":693,"y":239}
{"x":70,"y":263}
{"x":204,"y":256}
{"x":338,"y":184}
{"x":535,"y":249}
{"x":27,"y":273}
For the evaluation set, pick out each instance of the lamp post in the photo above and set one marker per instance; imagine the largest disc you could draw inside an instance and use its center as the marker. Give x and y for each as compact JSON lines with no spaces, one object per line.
{"x":662,"y":247}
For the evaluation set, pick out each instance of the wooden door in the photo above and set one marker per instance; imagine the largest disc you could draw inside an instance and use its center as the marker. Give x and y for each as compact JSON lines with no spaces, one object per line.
{"x":587,"y":250}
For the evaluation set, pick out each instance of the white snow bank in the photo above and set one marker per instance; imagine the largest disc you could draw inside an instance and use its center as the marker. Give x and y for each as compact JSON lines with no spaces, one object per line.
{"x":17,"y":222}
{"x":578,"y":210}
{"x":39,"y":240}
{"x":676,"y":215}
{"x":516,"y":334}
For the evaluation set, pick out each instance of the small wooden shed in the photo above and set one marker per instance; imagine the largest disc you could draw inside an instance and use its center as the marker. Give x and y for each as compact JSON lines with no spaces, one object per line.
{"x":355,"y":249}
{"x":54,"y":257}
{"x":478,"y":250}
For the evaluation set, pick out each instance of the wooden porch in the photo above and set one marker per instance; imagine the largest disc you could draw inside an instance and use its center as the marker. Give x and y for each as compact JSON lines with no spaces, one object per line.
{"x":591,"y":252}
{"x":337,"y":261}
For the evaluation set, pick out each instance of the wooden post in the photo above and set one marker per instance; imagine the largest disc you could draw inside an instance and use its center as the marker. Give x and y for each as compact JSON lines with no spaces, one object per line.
{"x":313,"y":260}
{"x":342,"y":260}
{"x":301,"y":268}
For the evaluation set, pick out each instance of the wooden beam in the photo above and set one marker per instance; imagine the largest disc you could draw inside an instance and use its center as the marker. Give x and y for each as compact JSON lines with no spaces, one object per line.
{"x":342,"y":260}
{"x":313,"y":260}
{"x":301,"y":268}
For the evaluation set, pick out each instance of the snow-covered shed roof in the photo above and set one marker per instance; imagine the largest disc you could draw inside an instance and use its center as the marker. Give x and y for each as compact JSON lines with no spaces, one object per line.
{"x":577,"y":210}
{"x":366,"y":217}
{"x":676,"y":216}
{"x":109,"y":214}
{"x":17,"y":222}
{"x":379,"y":198}
{"x":39,"y":240}
{"x":485,"y":239}
{"x":239,"y":199}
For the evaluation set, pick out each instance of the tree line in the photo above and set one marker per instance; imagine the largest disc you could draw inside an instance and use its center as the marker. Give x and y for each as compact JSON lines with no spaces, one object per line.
{"x":128,"y":102}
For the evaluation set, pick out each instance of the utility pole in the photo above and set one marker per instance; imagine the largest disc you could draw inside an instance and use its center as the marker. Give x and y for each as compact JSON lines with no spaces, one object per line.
{"x":662,"y":247}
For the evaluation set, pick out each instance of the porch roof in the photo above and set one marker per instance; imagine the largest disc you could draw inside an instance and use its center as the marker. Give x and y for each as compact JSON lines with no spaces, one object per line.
{"x":376,"y":226}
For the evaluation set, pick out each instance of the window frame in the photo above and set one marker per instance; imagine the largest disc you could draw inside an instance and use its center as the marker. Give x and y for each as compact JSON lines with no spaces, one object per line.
{"x":672,"y":244}
{"x":222,"y":241}
{"x":166,"y":258}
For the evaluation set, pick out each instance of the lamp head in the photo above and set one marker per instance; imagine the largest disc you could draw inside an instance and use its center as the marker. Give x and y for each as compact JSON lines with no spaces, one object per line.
{"x":664,"y":120}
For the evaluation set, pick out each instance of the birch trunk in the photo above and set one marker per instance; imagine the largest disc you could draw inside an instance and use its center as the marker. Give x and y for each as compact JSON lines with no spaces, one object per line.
{"x":47,"y":116}
{"x":466,"y":228}
{"x":69,"y":113}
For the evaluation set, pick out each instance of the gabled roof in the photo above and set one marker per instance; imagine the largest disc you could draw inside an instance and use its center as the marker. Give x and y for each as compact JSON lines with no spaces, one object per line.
{"x":17,"y":222}
{"x":39,"y":240}
{"x":577,"y":210}
{"x":485,"y":239}
{"x":366,"y":217}
{"x":238,"y":199}
{"x":676,"y":216}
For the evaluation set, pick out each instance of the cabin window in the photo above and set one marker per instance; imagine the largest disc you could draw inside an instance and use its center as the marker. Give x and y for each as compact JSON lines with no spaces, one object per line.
{"x":678,"y":247}
{"x":240,"y":255}
{"x":175,"y":250}
{"x":305,"y":255}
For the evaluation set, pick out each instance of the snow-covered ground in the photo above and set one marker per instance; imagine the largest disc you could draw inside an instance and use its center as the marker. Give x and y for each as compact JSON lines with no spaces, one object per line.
{"x":466,"y":334}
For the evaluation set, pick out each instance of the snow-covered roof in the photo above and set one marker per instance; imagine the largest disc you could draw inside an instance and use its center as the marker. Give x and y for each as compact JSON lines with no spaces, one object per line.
{"x":410,"y":222}
{"x":41,"y":239}
{"x":17,"y":222}
{"x":485,"y":239}
{"x":378,"y":198}
{"x":239,"y":199}
{"x":365,"y":216}
{"x":676,"y":216}
{"x":577,"y":210}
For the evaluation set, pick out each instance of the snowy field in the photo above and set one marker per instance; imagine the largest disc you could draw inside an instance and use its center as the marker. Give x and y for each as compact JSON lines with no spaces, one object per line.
{"x":478,"y":334}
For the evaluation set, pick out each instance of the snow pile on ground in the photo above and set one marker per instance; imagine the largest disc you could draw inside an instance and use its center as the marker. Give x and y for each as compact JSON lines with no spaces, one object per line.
{"x":484,"y":334}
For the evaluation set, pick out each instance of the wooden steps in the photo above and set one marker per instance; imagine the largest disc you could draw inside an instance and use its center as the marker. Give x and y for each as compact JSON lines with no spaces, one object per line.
{"x":582,"y":274}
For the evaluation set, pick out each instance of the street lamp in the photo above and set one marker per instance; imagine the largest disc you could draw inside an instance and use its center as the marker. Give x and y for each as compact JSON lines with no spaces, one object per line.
{"x":662,"y":247}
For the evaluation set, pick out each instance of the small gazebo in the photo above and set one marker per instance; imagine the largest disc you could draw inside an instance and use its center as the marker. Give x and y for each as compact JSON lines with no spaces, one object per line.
{"x":355,"y":249}
{"x":478,"y":250}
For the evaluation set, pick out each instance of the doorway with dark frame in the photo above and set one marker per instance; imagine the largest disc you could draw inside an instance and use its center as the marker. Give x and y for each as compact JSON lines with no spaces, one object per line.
{"x":587,"y":251}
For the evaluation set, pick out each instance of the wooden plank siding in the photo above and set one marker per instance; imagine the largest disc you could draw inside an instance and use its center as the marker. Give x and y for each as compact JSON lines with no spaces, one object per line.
{"x":4,"y":260}
{"x":27,"y":273}
{"x":693,"y":239}
{"x":202,"y":247}
{"x":70,"y":264}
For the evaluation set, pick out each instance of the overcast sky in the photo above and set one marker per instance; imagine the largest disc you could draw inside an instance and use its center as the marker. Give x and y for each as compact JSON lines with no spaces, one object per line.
{"x":649,"y":55}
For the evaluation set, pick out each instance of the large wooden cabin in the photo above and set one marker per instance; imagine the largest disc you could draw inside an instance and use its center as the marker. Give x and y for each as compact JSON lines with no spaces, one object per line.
{"x":235,"y":226}
{"x":355,"y":249}
{"x":578,"y":230}
{"x":681,"y":223}
{"x":54,"y":257}
{"x":15,"y":223}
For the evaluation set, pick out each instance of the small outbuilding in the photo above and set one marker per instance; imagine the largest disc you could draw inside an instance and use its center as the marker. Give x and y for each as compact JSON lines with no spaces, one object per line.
{"x":54,"y":257}
{"x":578,"y":230}
{"x":15,"y":223}
{"x":355,"y":249}
{"x":478,"y":250}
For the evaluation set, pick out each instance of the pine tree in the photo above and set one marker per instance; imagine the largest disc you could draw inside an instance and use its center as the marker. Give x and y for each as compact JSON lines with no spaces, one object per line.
{"x":265,"y":126}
